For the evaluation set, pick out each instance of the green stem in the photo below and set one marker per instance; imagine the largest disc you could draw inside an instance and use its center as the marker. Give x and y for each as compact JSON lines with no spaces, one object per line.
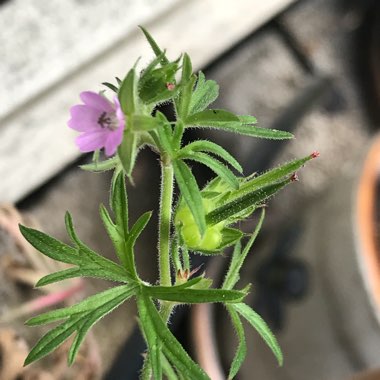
{"x":166,"y":201}
{"x":165,"y":222}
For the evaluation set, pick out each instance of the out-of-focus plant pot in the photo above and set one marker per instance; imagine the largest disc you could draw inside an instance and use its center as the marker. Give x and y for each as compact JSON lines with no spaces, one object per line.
{"x":335,"y":331}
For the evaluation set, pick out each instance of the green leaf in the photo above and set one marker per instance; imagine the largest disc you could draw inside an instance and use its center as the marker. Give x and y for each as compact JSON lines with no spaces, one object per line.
{"x":211,"y":118}
{"x":186,"y":88}
{"x":80,"y":318}
{"x":153,"y":44}
{"x":270,"y":177}
{"x":92,"y":263}
{"x":192,"y":283}
{"x":52,"y":340}
{"x":89,"y":320}
{"x":230,"y":237}
{"x":88,"y":304}
{"x":241,"y":351}
{"x":152,"y":340}
{"x":261,"y":327}
{"x":154,"y":83}
{"x":137,"y":228}
{"x":141,"y":123}
{"x":168,"y":369}
{"x":227,"y":121}
{"x":190,"y":192}
{"x":187,"y":69}
{"x":250,"y":130}
{"x":217,"y":167}
{"x":177,"y":135}
{"x":114,"y":234}
{"x":203,"y":95}
{"x":128,"y":93}
{"x":247,"y":119}
{"x":164,"y":134}
{"x":242,"y":203}
{"x":238,"y":257}
{"x":188,"y":295}
{"x":59,"y":276}
{"x":171,"y":348}
{"x":208,"y":146}
{"x":127,"y":152}
{"x":101,"y":166}
{"x":51,"y":247}
{"x":123,"y":238}
{"x":119,"y":203}
{"x":204,"y":283}
{"x":110,"y":86}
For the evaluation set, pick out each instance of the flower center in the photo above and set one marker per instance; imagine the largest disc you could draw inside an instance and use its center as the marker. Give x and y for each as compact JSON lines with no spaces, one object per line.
{"x":109,"y":121}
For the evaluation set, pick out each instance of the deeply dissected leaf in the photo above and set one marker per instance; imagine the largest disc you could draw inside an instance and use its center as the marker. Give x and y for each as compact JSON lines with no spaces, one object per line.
{"x":51,"y":247}
{"x":142,"y":123}
{"x":177,"y":135}
{"x":221,"y":119}
{"x":230,"y":237}
{"x":183,"y":103}
{"x":61,"y":276}
{"x":123,"y":238}
{"x":79,"y":318}
{"x":239,"y":256}
{"x":119,"y":203}
{"x":135,"y":232}
{"x":187,"y":68}
{"x":153,"y":44}
{"x":86,"y":261}
{"x":128,"y":93}
{"x":158,"y":84}
{"x":241,"y":351}
{"x":247,"y":119}
{"x":186,"y":88}
{"x":92,"y":260}
{"x":210,"y":147}
{"x":164,"y":134}
{"x":188,"y":295}
{"x":216,"y":166}
{"x":190,"y":192}
{"x":270,"y":177}
{"x":127,"y":152}
{"x":168,"y":369}
{"x":211,"y":118}
{"x":111,"y":86}
{"x":114,"y":233}
{"x":84,"y":306}
{"x":205,"y":92}
{"x":153,"y":342}
{"x":261,"y":327}
{"x":101,"y":166}
{"x":237,"y":205}
{"x":171,"y":348}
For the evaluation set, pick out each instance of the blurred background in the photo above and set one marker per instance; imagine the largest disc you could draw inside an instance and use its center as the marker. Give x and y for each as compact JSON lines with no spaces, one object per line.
{"x":311,"y":67}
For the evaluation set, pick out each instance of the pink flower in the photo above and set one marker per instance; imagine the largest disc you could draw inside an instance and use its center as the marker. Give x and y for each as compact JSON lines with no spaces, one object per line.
{"x":101,"y":123}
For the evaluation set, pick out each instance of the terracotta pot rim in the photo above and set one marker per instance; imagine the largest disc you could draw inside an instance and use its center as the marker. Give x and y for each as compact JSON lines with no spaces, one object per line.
{"x":369,"y":255}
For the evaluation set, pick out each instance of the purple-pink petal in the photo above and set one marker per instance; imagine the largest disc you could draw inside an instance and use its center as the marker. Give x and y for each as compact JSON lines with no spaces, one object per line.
{"x":114,"y":139}
{"x":83,"y":118}
{"x":94,"y":100}
{"x":89,"y":142}
{"x":101,"y":122}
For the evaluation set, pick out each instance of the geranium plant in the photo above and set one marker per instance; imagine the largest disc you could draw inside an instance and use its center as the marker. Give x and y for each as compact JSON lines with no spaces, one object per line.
{"x":201,"y":221}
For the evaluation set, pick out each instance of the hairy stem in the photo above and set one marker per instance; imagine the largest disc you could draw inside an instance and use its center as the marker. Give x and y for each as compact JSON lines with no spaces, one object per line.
{"x":165,"y":222}
{"x":166,"y":200}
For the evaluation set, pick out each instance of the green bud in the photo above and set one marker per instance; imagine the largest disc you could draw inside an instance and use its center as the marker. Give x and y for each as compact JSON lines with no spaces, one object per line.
{"x":158,"y":84}
{"x":191,"y":236}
